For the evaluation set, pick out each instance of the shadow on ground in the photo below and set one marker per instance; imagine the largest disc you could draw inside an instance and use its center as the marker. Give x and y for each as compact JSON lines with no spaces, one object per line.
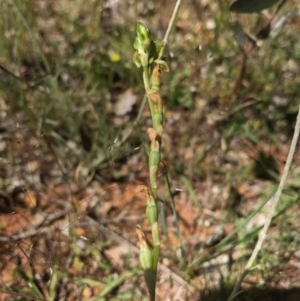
{"x":254,"y":294}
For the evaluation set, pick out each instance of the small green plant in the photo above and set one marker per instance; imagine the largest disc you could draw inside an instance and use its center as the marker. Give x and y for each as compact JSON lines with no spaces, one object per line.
{"x":148,"y":56}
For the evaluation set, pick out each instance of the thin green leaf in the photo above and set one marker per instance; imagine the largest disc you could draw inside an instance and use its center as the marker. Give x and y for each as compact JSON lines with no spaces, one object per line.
{"x":115,"y":283}
{"x":90,"y":282}
{"x":125,"y":296}
{"x":34,"y":290}
{"x":53,"y":285}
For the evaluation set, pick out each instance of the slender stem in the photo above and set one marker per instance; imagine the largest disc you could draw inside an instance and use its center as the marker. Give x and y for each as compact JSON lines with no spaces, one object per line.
{"x":275,"y":202}
{"x":171,"y":23}
{"x":182,"y":246}
{"x":147,"y":84}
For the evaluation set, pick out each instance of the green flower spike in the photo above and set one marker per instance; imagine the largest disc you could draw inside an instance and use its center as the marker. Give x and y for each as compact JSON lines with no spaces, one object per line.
{"x":148,"y":55}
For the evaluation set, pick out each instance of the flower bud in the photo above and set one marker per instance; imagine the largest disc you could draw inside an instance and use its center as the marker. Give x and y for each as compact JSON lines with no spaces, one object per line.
{"x":156,"y":99}
{"x":142,"y":31}
{"x":145,"y":251}
{"x":156,"y":77}
{"x":151,"y":210}
{"x":154,"y":143}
